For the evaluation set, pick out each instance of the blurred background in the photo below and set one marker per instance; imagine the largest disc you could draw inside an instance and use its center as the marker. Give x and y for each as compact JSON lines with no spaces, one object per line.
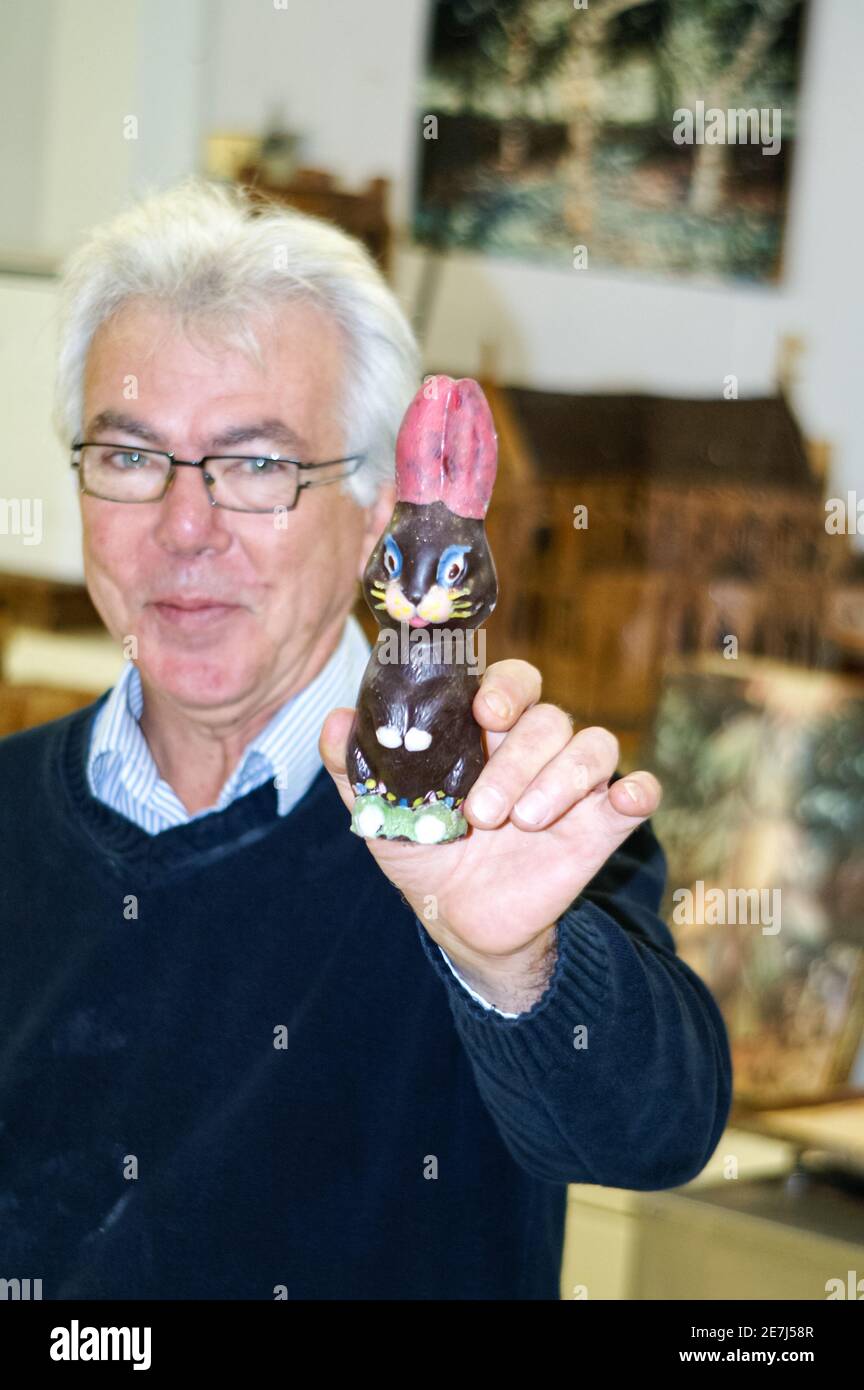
{"x":637,"y":224}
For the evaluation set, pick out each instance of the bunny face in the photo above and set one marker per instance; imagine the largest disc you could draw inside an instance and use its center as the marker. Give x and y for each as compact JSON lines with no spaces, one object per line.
{"x":431,"y":568}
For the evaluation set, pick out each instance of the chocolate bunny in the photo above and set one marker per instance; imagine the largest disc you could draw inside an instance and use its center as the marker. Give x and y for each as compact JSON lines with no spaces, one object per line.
{"x":415,"y":748}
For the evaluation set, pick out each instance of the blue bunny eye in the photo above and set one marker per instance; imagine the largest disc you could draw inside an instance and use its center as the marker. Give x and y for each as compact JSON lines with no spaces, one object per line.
{"x":452,"y":565}
{"x":392,"y":558}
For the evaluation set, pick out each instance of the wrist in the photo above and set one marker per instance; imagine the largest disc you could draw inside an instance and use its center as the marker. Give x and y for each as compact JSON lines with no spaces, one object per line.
{"x":512,"y":982}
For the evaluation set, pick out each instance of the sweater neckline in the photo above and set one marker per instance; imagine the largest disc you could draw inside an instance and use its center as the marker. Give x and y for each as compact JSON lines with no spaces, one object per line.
{"x":180,"y":849}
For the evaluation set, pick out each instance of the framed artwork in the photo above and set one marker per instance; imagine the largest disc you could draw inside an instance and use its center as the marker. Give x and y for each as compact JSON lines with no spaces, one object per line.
{"x":655,"y":135}
{"x":762,"y":822}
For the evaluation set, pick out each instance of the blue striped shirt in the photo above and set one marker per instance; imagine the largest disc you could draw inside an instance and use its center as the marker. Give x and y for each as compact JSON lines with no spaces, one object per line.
{"x":122,"y":773}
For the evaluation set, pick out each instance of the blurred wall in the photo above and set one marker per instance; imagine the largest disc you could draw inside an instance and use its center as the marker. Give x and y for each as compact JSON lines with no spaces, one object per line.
{"x":348,"y":74}
{"x":345,"y":74}
{"x":34,"y":471}
{"x":97,"y":98}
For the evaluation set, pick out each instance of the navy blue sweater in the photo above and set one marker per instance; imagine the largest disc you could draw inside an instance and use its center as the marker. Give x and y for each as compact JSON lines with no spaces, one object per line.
{"x":234,"y":1065}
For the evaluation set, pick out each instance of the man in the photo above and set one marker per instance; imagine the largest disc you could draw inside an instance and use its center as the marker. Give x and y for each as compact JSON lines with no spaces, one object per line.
{"x":244,"y":1053}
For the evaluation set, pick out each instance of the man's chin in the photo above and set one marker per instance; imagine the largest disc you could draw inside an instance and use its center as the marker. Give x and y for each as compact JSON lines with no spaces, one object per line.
{"x":197,"y":681}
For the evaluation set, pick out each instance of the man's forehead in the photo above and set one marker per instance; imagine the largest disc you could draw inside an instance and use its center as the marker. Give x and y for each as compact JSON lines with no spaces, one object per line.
{"x":295,"y":341}
{"x":290,"y":396}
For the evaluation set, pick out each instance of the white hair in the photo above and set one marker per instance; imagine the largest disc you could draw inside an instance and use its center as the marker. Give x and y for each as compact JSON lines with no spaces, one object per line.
{"x":208,"y":251}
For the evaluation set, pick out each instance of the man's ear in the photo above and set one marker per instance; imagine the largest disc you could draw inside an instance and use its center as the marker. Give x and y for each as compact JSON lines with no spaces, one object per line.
{"x":377,"y":516}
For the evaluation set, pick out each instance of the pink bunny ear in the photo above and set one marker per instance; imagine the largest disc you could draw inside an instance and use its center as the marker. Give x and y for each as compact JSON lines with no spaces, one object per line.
{"x":447,"y":449}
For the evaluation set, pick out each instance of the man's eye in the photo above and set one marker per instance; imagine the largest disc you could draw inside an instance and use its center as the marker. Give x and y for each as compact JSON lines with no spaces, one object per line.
{"x":256,"y":468}
{"x":128,"y":459}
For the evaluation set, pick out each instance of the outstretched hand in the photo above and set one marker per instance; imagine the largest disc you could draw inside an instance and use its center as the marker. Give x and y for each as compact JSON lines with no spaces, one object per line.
{"x":544,"y":818}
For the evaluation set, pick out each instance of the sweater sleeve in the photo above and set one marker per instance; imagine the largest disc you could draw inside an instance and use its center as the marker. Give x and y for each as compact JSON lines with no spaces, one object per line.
{"x":621,"y":1074}
{"x":473,"y":992}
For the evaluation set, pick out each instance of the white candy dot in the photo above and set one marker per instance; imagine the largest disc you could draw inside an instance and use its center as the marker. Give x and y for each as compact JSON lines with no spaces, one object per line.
{"x":370,"y":820}
{"x":429,"y":829}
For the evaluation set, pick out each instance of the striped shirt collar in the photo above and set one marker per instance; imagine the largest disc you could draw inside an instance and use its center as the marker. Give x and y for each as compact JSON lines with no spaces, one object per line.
{"x":122,"y":773}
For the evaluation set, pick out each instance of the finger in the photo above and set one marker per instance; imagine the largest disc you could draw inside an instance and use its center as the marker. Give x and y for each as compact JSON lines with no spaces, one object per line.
{"x":588,"y":759}
{"x":333,"y":746}
{"x":539,"y":735}
{"x":636,"y":795}
{"x":507,"y":690}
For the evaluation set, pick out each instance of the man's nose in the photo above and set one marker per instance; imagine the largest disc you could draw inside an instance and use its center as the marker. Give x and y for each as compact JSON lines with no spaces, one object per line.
{"x":187,"y":519}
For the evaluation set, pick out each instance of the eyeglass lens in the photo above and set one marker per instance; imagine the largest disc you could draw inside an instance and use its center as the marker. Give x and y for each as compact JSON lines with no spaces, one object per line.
{"x":135,"y":475}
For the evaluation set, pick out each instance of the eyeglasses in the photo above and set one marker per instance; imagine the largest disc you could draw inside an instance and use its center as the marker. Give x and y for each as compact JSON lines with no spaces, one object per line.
{"x":237,"y":482}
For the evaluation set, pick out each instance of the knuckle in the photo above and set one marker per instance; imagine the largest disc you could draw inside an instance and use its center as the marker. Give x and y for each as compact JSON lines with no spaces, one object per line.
{"x":526,"y":676}
{"x":575,"y":771}
{"x":552,"y":719}
{"x":510,"y":666}
{"x":604,"y":741}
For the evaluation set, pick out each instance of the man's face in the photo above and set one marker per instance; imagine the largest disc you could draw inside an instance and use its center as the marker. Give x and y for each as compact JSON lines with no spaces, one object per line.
{"x":276,"y":591}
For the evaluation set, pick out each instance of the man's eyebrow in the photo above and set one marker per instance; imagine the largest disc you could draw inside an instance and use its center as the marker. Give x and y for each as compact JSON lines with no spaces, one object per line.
{"x":119,"y":420}
{"x":271,"y":429}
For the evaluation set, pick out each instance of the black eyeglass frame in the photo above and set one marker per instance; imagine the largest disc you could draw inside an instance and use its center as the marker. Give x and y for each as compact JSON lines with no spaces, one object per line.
{"x":174,"y":463}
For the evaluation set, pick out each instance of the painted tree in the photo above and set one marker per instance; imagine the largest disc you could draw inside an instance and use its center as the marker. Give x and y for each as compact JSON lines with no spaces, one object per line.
{"x":581,"y":78}
{"x":512,"y":57}
{"x":497,"y":55}
{"x":710,"y":56}
{"x":523,"y":52}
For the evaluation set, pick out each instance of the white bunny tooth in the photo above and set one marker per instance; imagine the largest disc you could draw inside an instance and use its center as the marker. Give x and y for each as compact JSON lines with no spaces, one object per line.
{"x":417,"y":739}
{"x":389,"y":736}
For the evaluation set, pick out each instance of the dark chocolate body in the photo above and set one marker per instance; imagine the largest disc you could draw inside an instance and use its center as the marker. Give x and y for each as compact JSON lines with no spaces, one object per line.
{"x":425,"y":695}
{"x":415,"y":749}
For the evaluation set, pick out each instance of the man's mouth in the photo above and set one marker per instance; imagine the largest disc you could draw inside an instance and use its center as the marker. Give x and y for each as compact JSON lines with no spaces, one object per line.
{"x":192,"y":612}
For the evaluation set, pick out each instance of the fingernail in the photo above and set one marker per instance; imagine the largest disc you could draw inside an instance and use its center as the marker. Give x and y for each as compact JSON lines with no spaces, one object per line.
{"x":632,"y":790}
{"x":486,"y":804}
{"x":532,"y":808}
{"x":498,"y":703}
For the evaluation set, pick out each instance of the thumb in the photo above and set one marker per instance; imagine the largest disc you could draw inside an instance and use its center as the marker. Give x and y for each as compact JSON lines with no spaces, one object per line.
{"x":629,"y":802}
{"x":333,"y":745}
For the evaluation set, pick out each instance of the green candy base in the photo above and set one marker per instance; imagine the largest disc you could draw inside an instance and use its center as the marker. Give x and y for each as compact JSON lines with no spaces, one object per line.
{"x":431,"y":823}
